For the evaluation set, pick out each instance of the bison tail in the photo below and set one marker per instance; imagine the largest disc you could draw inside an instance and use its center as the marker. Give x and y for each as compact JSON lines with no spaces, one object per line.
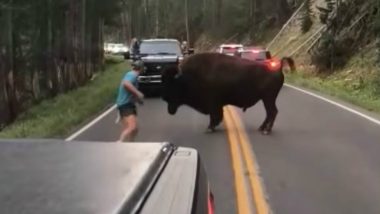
{"x":290,"y":62}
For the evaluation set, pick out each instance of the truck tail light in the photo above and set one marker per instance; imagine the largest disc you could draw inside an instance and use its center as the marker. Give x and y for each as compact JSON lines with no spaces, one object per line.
{"x":210,"y":203}
{"x":273,"y":64}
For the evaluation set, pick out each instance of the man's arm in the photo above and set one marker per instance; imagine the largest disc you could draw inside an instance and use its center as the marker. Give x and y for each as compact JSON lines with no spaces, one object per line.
{"x":131,"y":88}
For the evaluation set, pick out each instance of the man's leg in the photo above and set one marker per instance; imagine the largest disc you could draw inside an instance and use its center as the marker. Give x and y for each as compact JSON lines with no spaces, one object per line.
{"x":129,"y":128}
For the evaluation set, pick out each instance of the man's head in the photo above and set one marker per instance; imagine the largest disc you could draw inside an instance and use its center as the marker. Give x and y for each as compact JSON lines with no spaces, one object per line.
{"x":138,"y":65}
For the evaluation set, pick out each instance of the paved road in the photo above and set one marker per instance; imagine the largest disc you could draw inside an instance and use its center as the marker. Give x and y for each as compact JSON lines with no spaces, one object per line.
{"x":320,"y":158}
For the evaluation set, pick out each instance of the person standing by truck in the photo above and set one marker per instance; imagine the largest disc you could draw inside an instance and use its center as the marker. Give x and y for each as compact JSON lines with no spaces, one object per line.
{"x":184,"y":46}
{"x":135,"y":46}
{"x":127,"y":97}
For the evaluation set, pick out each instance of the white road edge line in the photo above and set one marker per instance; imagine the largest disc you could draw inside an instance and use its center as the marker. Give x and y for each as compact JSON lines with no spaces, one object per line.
{"x":93,"y":122}
{"x":336,"y":104}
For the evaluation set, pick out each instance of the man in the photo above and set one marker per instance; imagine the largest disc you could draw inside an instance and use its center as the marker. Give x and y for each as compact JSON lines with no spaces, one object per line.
{"x":126,"y":101}
{"x":184,"y":46}
{"x":135,"y":46}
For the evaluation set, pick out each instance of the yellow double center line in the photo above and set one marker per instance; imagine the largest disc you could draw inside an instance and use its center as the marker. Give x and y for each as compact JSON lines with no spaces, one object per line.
{"x":244,"y":167}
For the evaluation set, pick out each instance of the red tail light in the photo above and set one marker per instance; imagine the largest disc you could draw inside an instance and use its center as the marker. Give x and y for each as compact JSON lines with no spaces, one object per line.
{"x":273,"y":64}
{"x":210,"y":204}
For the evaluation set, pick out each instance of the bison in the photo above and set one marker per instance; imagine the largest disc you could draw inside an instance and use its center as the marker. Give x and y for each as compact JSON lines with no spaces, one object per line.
{"x":209,"y":81}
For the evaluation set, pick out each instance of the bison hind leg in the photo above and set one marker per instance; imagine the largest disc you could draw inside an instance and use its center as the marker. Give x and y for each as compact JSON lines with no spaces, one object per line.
{"x":272,"y":111}
{"x":216,"y":117}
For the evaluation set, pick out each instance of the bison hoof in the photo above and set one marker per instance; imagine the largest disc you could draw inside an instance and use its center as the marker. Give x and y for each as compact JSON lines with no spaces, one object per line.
{"x":172,"y":109}
{"x":210,"y":130}
{"x":265,"y":132}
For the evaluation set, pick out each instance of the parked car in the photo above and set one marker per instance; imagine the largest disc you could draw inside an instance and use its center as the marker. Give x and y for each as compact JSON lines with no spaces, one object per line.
{"x":119,"y":49}
{"x":107,"y":47}
{"x":255,"y":53}
{"x":54,"y":176}
{"x":230,"y":49}
{"x":260,"y":55}
{"x":116,"y":48}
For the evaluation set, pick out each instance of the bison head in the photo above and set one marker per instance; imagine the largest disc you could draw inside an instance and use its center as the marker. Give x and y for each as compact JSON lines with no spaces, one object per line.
{"x":172,"y":88}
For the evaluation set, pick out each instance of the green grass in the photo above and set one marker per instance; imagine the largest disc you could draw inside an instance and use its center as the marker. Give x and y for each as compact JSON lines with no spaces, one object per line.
{"x":353,"y":90}
{"x":57,"y":117}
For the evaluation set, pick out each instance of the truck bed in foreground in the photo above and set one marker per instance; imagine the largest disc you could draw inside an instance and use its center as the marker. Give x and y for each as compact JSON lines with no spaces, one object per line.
{"x":50,"y":176}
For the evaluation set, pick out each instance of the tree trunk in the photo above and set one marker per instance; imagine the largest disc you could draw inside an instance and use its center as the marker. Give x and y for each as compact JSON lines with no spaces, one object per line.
{"x":284,"y":11}
{"x":100,"y":44}
{"x":124,"y":27}
{"x":51,"y":69}
{"x":219,"y":6}
{"x":4,"y":101}
{"x":187,"y":22}
{"x":71,"y":47}
{"x":10,"y":74}
{"x":252,"y":12}
{"x":146,"y":18}
{"x":157,"y":18}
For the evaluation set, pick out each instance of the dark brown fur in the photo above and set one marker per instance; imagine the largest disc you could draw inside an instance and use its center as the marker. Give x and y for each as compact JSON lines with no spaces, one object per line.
{"x":209,"y":81}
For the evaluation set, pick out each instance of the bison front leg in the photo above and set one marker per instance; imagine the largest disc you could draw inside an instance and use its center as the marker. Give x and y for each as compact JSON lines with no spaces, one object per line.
{"x":216,"y":117}
{"x":272,"y":111}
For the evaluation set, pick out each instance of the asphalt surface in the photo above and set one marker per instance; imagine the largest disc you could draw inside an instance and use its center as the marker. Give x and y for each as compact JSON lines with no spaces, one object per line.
{"x":319,"y":158}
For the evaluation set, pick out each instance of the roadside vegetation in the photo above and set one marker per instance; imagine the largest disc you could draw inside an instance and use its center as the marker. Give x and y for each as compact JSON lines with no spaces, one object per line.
{"x":357,"y":82}
{"x":59,"y":116}
{"x":48,"y":48}
{"x":339,"y":54}
{"x":336,"y":85}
